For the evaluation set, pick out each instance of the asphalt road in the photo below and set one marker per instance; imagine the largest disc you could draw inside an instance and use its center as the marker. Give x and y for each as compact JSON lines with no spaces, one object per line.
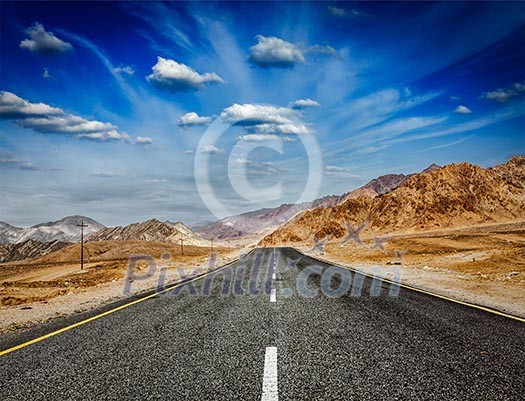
{"x":233,"y":338}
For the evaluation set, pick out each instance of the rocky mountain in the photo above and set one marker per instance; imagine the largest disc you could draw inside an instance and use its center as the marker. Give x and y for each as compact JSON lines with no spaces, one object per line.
{"x":150,"y":230}
{"x":63,"y":230}
{"x":452,"y":196}
{"x":378,"y":186}
{"x":264,"y":221}
{"x":28,"y":249}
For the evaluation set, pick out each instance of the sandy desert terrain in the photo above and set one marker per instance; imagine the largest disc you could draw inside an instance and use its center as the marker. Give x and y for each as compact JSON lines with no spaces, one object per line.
{"x":483,"y":264}
{"x":36,"y":290}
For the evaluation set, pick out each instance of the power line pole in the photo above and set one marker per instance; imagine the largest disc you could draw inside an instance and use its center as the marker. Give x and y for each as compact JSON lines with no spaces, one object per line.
{"x":228,"y":245}
{"x":82,"y":225}
{"x":182,"y":245}
{"x":212,"y":245}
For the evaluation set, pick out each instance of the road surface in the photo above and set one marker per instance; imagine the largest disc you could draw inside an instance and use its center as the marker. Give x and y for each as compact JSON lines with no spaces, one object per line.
{"x":302,"y":337}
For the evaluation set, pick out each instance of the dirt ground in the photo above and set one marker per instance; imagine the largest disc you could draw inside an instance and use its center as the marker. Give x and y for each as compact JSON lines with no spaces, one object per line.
{"x":37,"y":290}
{"x":483,"y":264}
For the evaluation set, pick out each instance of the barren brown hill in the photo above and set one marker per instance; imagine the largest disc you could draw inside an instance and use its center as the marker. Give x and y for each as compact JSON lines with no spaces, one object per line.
{"x":262,"y":221}
{"x":28,"y":249}
{"x":453,"y":196}
{"x":150,"y":230}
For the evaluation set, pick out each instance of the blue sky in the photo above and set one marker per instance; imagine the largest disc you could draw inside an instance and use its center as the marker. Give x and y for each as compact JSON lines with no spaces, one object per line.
{"x":104,"y":104}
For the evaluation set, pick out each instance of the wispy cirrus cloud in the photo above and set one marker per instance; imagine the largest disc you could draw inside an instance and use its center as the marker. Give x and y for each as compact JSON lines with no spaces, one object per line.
{"x":448,"y":144}
{"x":338,"y":172}
{"x":507,"y":114}
{"x":167,"y":21}
{"x":105,"y":174}
{"x":157,"y":181}
{"x":124,"y":69}
{"x":255,"y":167}
{"x":351,"y":13}
{"x":6,"y":162}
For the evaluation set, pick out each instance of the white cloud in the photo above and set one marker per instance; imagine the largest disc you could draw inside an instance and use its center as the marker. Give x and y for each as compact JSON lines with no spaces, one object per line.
{"x":338,"y":172}
{"x":271,"y":51}
{"x":67,"y":124}
{"x":264,"y":137}
{"x":303,"y":103}
{"x":189,"y":152}
{"x":177,"y":77}
{"x":193,"y":119}
{"x":333,"y":168}
{"x":503,"y":95}
{"x":255,"y":167}
{"x":275,"y":52}
{"x":211,"y":149}
{"x":44,"y":42}
{"x":46,"y":74}
{"x":253,"y":114}
{"x":112,"y":135}
{"x":144,"y":140}
{"x":346,"y":12}
{"x":264,"y":122}
{"x":462,"y":110}
{"x":295,"y":128}
{"x":47,"y":119}
{"x":13,"y":107}
{"x":124,"y":70}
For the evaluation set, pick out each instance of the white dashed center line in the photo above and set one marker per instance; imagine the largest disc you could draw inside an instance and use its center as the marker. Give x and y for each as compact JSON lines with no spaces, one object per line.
{"x":273,"y":294}
{"x":270,"y":390}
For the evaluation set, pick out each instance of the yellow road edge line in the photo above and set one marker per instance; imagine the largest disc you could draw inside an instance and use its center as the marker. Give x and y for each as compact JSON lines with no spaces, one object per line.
{"x":108,"y":312}
{"x":483,"y":308}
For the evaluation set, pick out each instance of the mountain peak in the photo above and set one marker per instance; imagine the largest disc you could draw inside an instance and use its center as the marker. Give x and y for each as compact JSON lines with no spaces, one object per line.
{"x":432,"y":167}
{"x":65,"y":230}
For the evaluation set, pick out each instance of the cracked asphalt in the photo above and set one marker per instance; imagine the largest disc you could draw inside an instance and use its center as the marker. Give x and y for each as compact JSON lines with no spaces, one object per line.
{"x":207,"y":341}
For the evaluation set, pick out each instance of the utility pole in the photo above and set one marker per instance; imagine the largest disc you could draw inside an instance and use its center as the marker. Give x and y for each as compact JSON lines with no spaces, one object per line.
{"x":82,"y":225}
{"x":211,"y":244}
{"x":182,"y":245}
{"x":228,"y":245}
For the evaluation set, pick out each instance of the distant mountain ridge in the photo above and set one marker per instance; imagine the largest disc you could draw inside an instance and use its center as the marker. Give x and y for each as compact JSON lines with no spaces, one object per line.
{"x":63,"y":230}
{"x":265,"y":220}
{"x":455,"y":195}
{"x":149,"y":230}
